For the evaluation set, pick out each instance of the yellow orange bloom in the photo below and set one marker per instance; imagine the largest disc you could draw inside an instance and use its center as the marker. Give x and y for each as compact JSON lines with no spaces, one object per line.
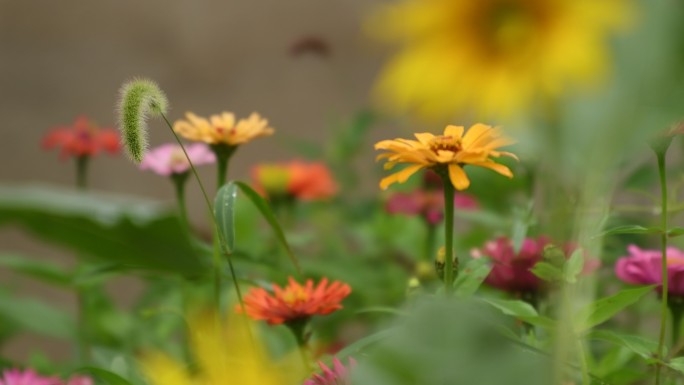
{"x":223,"y":129}
{"x":493,"y":56}
{"x":449,"y":152}
{"x":225,"y":353}
{"x":295,"y":302}
{"x":307,"y":181}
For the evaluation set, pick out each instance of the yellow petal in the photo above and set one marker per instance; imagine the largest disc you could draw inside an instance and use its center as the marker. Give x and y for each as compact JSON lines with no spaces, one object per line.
{"x":400,"y":177}
{"x":498,"y":167}
{"x":454,"y":131}
{"x":458,"y":177}
{"x":475,"y":133}
{"x":424,"y":137}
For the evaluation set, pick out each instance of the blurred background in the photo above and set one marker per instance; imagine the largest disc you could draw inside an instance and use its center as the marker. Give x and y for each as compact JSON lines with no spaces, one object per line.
{"x":303,"y":64}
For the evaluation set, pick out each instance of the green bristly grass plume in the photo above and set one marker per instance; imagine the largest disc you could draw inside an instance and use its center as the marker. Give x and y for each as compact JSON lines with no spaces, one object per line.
{"x":139,"y":98}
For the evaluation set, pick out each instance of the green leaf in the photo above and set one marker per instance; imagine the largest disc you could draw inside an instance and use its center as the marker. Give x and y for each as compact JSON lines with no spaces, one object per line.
{"x":472,"y":275}
{"x":604,"y":309}
{"x":574,"y":266}
{"x":41,"y":270}
{"x":224,"y":211}
{"x":37,"y":317}
{"x":105,"y":375}
{"x":631,"y":229}
{"x":520,"y":310}
{"x":675,"y":232}
{"x":137,"y":234}
{"x":547,"y":272}
{"x":639,"y":345}
{"x":267,"y":213}
{"x":677,"y":364}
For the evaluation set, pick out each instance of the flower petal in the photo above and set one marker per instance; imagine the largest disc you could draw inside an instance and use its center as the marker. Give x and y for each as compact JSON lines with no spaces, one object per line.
{"x":400,"y":177}
{"x":458,"y":177}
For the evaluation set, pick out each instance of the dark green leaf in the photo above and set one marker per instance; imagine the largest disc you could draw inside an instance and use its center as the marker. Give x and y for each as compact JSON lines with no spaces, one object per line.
{"x":41,"y":270}
{"x":471,"y":277}
{"x":267,"y":213}
{"x":520,"y":310}
{"x":604,"y":309}
{"x":675,"y":232}
{"x":641,"y":346}
{"x":134,"y":233}
{"x":224,"y":211}
{"x":631,"y":229}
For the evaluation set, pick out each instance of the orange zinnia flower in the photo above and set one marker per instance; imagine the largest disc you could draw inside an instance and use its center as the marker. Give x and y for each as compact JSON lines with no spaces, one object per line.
{"x":447,"y":154}
{"x":223,"y":129}
{"x":294,"y":302}
{"x":307,"y":181}
{"x":82,"y":139}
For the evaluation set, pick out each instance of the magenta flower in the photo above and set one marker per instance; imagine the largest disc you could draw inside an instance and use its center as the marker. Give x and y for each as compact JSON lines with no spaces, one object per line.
{"x":169,"y":159}
{"x":337,"y":375}
{"x":26,"y":377}
{"x":643,"y":267}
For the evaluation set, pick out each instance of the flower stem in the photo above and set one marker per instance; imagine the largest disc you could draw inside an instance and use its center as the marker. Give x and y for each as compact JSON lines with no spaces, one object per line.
{"x":179,"y":182}
{"x":663,"y":248}
{"x":82,"y":172}
{"x":217,"y":259}
{"x":581,"y":351}
{"x":450,"y":263}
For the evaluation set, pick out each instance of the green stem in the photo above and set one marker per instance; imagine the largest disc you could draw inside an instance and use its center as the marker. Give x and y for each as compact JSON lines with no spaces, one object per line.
{"x":430,"y":240}
{"x":179,"y":182}
{"x":82,"y":172}
{"x":663,"y":249}
{"x":217,"y":233}
{"x":298,"y":329}
{"x":586,"y":377}
{"x":450,"y":263}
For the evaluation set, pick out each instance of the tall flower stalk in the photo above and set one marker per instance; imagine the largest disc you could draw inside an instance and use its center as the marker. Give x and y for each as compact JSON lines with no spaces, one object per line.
{"x":450,"y":262}
{"x":139,"y":99}
{"x":660,"y":154}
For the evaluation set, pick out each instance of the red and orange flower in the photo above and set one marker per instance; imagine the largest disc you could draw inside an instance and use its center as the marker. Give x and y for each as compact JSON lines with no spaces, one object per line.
{"x":306,"y":181}
{"x":82,"y":139}
{"x":295,"y":302}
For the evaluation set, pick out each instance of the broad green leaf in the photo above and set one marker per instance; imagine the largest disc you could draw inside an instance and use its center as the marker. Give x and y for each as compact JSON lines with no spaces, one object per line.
{"x":41,"y":270}
{"x":641,"y":346}
{"x":547,"y":272}
{"x":36,"y":316}
{"x":107,"y":376}
{"x":677,"y":364}
{"x":675,"y":232}
{"x":267,"y":213}
{"x":137,"y":234}
{"x":224,"y":211}
{"x":573,"y":267}
{"x":381,"y":309}
{"x":604,"y":309}
{"x":631,"y":229}
{"x":472,"y":275}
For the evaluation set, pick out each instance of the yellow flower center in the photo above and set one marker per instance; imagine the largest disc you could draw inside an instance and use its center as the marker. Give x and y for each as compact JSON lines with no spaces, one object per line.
{"x":445,"y":143}
{"x":294,"y":296}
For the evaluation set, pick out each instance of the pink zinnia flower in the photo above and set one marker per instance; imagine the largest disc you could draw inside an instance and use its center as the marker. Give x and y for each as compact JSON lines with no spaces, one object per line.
{"x":512,"y":272}
{"x":643,"y":267}
{"x":26,"y":377}
{"x":337,"y":375}
{"x":83,"y":138}
{"x":169,"y":158}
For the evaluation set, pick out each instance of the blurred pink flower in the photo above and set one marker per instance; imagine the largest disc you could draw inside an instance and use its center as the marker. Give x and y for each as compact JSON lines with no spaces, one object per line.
{"x":643,"y":267}
{"x":26,"y":377}
{"x":337,"y":375}
{"x":169,"y":159}
{"x":512,"y":272}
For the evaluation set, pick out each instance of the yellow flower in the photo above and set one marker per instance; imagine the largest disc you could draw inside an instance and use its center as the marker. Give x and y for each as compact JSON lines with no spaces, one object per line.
{"x":223,"y":129}
{"x":446,"y":153}
{"x":493,"y":56}
{"x":224,"y":354}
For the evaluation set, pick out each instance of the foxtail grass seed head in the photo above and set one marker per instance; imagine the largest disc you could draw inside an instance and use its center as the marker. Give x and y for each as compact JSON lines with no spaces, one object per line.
{"x":138,"y":99}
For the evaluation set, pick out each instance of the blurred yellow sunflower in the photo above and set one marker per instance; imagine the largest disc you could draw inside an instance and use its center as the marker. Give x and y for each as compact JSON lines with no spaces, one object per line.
{"x":222,"y":129}
{"x":225,"y":353}
{"x":492,"y":56}
{"x":447,"y":154}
